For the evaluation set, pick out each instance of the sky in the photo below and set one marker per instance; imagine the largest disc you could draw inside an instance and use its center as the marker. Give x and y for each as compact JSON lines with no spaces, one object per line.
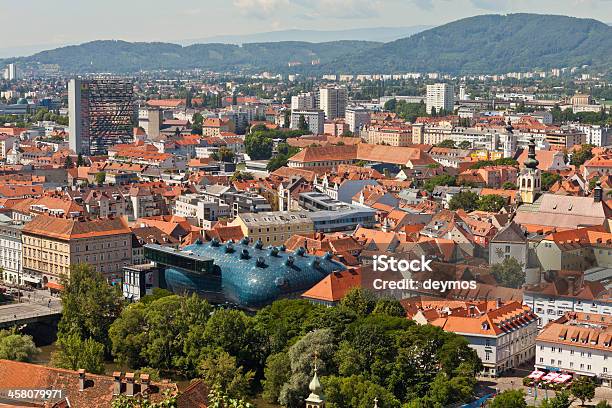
{"x":58,"y":22}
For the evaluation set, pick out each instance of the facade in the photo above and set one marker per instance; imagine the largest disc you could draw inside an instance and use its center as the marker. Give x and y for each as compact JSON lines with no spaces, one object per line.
{"x":578,"y":343}
{"x":503,"y":334}
{"x":509,"y":242}
{"x":275,"y":227}
{"x":333,"y":101}
{"x":389,"y":135}
{"x":315,"y":119}
{"x":529,"y":179}
{"x":440,"y":96}
{"x":101,"y":110}
{"x":303,"y":101}
{"x":10,"y":250}
{"x":52,"y":244}
{"x":356,"y":117}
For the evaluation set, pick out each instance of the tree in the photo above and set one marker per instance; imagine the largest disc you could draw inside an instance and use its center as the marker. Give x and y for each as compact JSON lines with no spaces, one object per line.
{"x":218,"y":367}
{"x":75,"y":353}
{"x":509,"y":399}
{"x":258,"y":145}
{"x":68,"y":163}
{"x":218,"y":398}
{"x":17,"y":347}
{"x":561,"y":400}
{"x":582,"y":155}
{"x":389,"y":307}
{"x":90,"y":305}
{"x":100,"y":178}
{"x":603,"y":404}
{"x":224,"y":154}
{"x":80,"y":161}
{"x":447,"y":143}
{"x":123,"y":401}
{"x":508,"y":185}
{"x":441,"y":180}
{"x":302,"y":124}
{"x":276,"y":374}
{"x":356,"y":392}
{"x":465,"y":145}
{"x":548,"y":179}
{"x":509,"y":273}
{"x":466,"y":200}
{"x":583,"y":388}
{"x":359,"y":300}
{"x":390,"y":105}
{"x":491,"y":203}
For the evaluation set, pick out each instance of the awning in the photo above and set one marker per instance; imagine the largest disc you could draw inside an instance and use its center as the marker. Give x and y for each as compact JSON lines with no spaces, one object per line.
{"x":536,"y":375}
{"x":56,"y":286}
{"x":562,"y":378}
{"x":550,"y":376}
{"x":29,"y":278}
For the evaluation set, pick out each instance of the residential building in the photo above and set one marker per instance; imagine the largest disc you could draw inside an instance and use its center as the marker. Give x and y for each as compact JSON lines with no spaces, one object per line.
{"x":101,"y":111}
{"x":275,"y":227}
{"x":440,"y":96}
{"x":577,"y":343}
{"x":333,"y":101}
{"x":315,"y":119}
{"x":503,"y":334}
{"x":10,"y":250}
{"x":304,"y":101}
{"x":509,"y":242}
{"x":52,"y":244}
{"x":356,"y":117}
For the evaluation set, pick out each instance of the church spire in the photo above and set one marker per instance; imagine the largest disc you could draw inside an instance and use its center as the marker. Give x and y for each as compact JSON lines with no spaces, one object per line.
{"x":315,"y":399}
{"x":531,"y":162}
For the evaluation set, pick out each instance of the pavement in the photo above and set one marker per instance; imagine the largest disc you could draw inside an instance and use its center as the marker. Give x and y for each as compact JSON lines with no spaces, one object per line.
{"x":32,"y":304}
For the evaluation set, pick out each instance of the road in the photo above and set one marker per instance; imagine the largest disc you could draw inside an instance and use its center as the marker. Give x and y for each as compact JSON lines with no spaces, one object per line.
{"x":38,"y":304}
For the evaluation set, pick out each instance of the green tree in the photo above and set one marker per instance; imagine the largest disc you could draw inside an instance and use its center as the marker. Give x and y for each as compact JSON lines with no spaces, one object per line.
{"x":218,"y":398}
{"x":491,"y":203}
{"x":548,"y":179}
{"x":509,"y":399}
{"x":561,"y":400}
{"x":75,"y":353}
{"x":100,"y":178}
{"x":90,"y":305}
{"x":80,"y":162}
{"x":218,"y":367}
{"x":583,"y":388}
{"x":447,"y":143}
{"x":302,"y":124}
{"x":356,"y":392}
{"x":359,"y":300}
{"x":508,"y":185}
{"x":582,"y":155}
{"x":390,"y":105}
{"x":124,"y":401}
{"x":465,"y":145}
{"x":276,"y":373}
{"x":509,"y":273}
{"x":441,"y":180}
{"x":68,"y":163}
{"x":224,"y":154}
{"x":603,"y":404}
{"x":389,"y":307}
{"x":17,"y":347}
{"x":466,"y":200}
{"x":258,"y":145}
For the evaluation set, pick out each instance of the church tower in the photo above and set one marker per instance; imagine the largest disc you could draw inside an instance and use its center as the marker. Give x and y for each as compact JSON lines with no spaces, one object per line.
{"x":529,"y":179}
{"x":315,"y":399}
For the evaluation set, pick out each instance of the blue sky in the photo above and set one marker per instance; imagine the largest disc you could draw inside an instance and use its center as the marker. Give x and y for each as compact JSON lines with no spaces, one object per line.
{"x":34,"y":22}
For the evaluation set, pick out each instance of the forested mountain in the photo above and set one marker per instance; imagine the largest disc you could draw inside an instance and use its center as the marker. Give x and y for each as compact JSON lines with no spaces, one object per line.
{"x":481,"y":44}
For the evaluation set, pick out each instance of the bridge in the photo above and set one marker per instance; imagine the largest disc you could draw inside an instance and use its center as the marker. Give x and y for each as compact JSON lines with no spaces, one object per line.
{"x":28,"y":312}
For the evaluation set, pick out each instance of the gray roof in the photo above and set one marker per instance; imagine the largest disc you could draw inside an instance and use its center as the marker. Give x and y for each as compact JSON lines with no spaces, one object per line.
{"x":510,"y":233}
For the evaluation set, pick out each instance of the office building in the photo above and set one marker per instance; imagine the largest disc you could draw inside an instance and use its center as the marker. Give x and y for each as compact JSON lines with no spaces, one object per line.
{"x":440,"y":96}
{"x":303,"y":101}
{"x":101,"y":112}
{"x":274,"y":227}
{"x":332,"y":101}
{"x":315,"y":119}
{"x":11,"y":72}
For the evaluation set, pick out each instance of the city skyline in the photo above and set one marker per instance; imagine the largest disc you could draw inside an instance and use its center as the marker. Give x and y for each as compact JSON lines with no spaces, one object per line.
{"x":168,"y":23}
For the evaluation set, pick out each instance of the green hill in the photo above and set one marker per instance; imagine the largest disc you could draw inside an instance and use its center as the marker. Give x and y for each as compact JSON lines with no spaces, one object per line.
{"x":122,"y":56}
{"x":490,"y":44}
{"x":481,"y":44}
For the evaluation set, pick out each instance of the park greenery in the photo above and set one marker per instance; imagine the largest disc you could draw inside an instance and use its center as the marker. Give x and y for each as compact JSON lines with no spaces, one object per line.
{"x":470,"y":201}
{"x":363,"y":349}
{"x":259,"y":142}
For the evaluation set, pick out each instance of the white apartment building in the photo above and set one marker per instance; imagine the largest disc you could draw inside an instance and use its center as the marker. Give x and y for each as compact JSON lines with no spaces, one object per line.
{"x":440,"y":96}
{"x":579,"y":343}
{"x":549,"y":306}
{"x":304,"y":101}
{"x":333,"y":101}
{"x":10,"y":250}
{"x":315,"y":118}
{"x":201,"y":207}
{"x":596,"y":135}
{"x":356,"y":117}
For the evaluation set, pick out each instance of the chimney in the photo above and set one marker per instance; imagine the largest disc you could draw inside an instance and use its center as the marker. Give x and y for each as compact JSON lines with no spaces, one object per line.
{"x":129,"y":387}
{"x":498,"y":302}
{"x":598,"y":192}
{"x":81,"y":379}
{"x":472,"y":310}
{"x":117,"y":382}
{"x":571,"y":285}
{"x":144,"y":382}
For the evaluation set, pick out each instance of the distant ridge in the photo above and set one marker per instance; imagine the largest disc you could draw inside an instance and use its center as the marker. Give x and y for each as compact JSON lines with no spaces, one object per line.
{"x":480,"y":44}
